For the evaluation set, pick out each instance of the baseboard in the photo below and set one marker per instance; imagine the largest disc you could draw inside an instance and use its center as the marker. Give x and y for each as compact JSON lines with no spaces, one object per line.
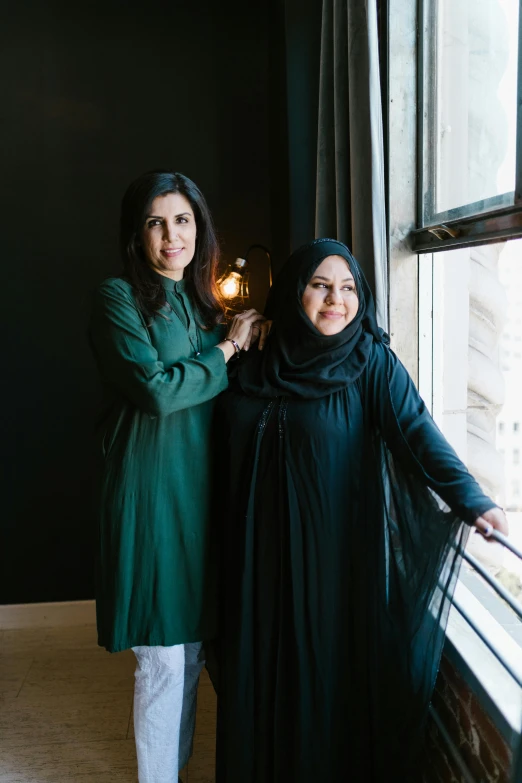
{"x":49,"y":615}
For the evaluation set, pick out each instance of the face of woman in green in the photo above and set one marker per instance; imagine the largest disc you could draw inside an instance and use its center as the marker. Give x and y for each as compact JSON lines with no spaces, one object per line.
{"x":169,"y":235}
{"x":330,"y":300}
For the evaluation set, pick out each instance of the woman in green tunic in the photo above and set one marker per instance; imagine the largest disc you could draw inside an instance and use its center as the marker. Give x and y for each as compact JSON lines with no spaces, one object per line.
{"x":161,"y":349}
{"x":347,"y":508}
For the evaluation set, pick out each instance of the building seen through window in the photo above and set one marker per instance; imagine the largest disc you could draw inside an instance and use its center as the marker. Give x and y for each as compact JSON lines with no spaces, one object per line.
{"x":470,"y":305}
{"x":508,"y":421}
{"x":475,"y":383}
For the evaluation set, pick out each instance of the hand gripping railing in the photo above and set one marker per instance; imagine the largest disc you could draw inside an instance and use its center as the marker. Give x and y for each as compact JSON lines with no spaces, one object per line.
{"x":492,"y":582}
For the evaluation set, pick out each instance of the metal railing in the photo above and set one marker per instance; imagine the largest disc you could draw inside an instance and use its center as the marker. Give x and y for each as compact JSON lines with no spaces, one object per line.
{"x":516,"y":607}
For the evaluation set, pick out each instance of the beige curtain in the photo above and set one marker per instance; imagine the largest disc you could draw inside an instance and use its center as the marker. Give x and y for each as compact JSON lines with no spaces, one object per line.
{"x":350,"y":198}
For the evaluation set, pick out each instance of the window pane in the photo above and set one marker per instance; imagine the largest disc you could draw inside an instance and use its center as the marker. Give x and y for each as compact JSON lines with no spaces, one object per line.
{"x":473,"y":98}
{"x":477,"y":376}
{"x":508,"y":435}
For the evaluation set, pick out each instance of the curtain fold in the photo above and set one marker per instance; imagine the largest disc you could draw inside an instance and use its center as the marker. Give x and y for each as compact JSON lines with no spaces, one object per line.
{"x":350,"y":197}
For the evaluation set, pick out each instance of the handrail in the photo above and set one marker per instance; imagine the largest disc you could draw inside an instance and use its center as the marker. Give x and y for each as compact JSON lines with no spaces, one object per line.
{"x":516,"y":606}
{"x":504,"y":540}
{"x":494,"y":583}
{"x":489,"y":644}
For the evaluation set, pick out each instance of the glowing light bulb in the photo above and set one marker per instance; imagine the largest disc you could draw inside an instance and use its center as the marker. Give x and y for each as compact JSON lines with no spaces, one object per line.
{"x":231,"y":285}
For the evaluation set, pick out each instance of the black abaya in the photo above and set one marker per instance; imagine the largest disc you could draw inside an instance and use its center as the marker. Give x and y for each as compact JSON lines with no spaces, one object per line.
{"x":338,"y":564}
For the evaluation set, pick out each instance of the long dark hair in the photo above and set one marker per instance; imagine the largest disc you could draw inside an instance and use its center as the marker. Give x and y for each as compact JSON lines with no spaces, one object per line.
{"x":200,"y":274}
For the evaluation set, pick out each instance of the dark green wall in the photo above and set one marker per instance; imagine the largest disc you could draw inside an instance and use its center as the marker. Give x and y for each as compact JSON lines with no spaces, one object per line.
{"x":94,"y":94}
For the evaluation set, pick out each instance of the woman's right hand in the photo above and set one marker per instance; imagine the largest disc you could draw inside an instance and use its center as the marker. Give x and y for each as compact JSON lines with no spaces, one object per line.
{"x":494,"y":519}
{"x":240,"y":330}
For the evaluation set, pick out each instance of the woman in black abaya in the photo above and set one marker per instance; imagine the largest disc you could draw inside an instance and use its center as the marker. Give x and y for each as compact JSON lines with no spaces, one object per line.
{"x":347,"y":509}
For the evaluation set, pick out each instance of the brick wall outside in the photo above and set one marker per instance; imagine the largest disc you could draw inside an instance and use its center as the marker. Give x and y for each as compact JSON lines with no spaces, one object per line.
{"x":484,"y":751}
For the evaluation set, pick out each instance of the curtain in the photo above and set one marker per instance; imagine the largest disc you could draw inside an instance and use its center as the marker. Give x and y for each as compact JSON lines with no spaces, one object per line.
{"x":350,"y":198}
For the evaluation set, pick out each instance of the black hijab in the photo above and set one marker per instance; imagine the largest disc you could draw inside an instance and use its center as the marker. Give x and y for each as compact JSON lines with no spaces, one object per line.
{"x":299,"y":361}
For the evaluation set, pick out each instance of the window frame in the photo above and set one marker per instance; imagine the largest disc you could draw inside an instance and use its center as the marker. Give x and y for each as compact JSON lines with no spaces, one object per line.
{"x":496,"y":219}
{"x":411,"y":321}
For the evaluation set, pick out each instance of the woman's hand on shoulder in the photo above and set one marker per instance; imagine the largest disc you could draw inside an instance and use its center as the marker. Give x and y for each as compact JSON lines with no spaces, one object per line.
{"x":245,"y":328}
{"x":494,"y":519}
{"x":259,"y":332}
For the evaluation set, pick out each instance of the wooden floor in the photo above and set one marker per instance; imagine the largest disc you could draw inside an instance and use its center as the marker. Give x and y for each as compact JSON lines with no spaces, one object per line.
{"x":66,"y":711}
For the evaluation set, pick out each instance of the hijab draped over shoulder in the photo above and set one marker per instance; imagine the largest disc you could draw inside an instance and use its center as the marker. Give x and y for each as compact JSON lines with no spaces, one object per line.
{"x":299,"y":361}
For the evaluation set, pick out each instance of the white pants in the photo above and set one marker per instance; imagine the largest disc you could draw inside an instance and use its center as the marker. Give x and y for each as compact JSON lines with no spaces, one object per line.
{"x":165,"y":709}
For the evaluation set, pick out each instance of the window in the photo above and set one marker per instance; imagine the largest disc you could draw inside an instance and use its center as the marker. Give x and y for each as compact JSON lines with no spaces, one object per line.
{"x":470,"y":286}
{"x":459,"y":201}
{"x":472,"y":302}
{"x":471,"y":179}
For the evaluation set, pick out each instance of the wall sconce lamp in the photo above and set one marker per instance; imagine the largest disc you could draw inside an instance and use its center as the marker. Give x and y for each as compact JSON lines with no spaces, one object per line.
{"x":233,"y":284}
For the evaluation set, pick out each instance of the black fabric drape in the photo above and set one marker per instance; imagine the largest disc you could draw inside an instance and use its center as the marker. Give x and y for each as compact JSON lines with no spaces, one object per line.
{"x":339,"y":561}
{"x":341,"y":521}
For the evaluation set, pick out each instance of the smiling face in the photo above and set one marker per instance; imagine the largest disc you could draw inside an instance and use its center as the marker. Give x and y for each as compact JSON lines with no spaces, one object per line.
{"x":330,"y":300}
{"x":169,"y":235}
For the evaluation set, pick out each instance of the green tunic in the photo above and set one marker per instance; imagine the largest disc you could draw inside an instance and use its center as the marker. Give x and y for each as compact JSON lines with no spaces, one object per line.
{"x":155,"y":568}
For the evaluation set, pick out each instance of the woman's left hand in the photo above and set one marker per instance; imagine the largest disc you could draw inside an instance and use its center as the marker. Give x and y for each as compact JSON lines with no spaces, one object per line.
{"x":260,"y":331}
{"x":494,"y":519}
